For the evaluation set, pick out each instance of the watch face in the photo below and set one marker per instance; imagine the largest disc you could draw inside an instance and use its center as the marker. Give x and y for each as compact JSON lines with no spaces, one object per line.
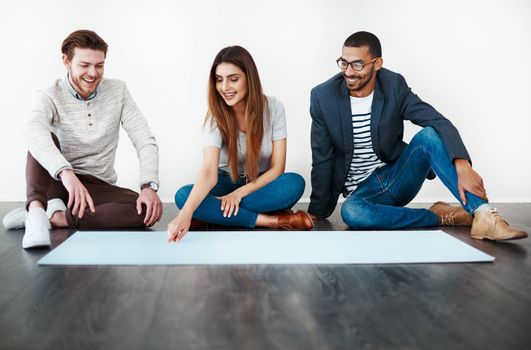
{"x":151,"y":185}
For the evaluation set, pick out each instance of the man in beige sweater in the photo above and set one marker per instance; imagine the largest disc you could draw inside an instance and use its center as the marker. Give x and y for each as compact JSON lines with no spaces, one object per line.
{"x":72,"y":138}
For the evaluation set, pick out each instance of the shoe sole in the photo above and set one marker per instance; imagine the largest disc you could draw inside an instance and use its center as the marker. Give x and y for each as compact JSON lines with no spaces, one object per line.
{"x":37,"y":244}
{"x":510,"y":238}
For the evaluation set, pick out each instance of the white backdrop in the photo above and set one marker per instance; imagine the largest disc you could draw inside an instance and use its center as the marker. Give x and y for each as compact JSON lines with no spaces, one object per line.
{"x":469,"y":59}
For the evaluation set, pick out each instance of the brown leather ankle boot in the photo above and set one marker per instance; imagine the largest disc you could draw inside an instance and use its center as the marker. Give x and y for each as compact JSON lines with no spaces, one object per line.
{"x":299,"y":220}
{"x":198,"y":225}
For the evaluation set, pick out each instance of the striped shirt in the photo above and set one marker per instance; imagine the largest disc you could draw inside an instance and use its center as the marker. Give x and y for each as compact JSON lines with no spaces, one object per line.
{"x":364,"y":160}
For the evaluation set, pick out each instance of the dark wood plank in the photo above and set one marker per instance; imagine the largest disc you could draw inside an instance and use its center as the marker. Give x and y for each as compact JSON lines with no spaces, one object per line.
{"x":5,"y":249}
{"x":112,"y":320}
{"x":41,"y":310}
{"x":6,"y":297}
{"x":424,"y":306}
{"x":17,"y":268}
{"x":78,"y":308}
{"x":10,"y":238}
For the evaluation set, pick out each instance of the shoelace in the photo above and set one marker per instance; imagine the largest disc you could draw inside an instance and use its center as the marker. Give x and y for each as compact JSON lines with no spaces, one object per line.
{"x":496,"y":217}
{"x":448,"y":220}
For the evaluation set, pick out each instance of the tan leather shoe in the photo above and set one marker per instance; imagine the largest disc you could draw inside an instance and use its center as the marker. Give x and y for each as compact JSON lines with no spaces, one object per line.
{"x":490,"y":225}
{"x":451,"y":215}
{"x":295,"y":221}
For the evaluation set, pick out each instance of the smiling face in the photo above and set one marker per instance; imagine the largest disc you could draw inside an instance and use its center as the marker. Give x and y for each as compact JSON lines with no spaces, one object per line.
{"x":231,"y":84}
{"x":360,"y":83}
{"x":85,"y":70}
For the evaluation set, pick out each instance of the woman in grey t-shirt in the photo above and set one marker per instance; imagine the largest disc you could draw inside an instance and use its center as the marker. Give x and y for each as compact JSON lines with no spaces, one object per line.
{"x":242,"y":180}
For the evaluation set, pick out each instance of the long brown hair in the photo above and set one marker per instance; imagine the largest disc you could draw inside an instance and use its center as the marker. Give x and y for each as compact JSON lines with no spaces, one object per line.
{"x":225,"y":117}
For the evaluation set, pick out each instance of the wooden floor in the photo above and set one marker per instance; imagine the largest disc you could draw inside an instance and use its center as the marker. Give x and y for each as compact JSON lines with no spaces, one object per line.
{"x":422,"y":306}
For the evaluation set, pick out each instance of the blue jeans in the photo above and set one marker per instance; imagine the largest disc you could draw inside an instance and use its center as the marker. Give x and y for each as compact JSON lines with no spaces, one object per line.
{"x":281,"y":193}
{"x":378,"y":201}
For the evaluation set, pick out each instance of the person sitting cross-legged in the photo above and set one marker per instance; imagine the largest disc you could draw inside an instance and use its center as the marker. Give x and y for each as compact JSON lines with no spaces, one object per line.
{"x":242,"y":180}
{"x":72,"y":138}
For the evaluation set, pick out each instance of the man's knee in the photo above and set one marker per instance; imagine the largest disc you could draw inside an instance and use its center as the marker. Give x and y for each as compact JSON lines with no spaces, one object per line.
{"x":427,"y":135}
{"x":182,"y":195}
{"x":356,"y":213}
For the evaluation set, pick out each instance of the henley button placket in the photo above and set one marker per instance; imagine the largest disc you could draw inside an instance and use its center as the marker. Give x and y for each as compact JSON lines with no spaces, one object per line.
{"x":90,"y":123}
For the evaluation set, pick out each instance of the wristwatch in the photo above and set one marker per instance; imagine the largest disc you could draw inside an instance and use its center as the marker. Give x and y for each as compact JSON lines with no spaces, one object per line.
{"x":153,"y":185}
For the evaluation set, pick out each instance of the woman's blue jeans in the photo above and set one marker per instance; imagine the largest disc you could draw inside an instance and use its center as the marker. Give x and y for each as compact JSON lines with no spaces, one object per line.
{"x":378,"y":201}
{"x":281,"y":193}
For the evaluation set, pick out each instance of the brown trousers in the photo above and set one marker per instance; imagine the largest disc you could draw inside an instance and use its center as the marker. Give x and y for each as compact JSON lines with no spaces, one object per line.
{"x":115,"y":206}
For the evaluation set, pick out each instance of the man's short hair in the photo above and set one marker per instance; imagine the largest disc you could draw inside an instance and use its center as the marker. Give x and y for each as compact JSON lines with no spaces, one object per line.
{"x":84,"y":39}
{"x":360,"y":39}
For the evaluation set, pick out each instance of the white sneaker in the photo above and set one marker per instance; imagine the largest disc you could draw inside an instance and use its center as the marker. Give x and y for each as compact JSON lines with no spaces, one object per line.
{"x":37,"y":226}
{"x":55,"y":205}
{"x":15,"y":219}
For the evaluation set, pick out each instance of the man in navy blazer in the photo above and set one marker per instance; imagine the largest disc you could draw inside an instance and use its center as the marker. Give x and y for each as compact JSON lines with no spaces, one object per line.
{"x":358,"y":151}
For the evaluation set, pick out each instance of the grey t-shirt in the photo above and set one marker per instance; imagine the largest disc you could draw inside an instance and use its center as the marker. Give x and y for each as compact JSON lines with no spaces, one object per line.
{"x":274,"y":129}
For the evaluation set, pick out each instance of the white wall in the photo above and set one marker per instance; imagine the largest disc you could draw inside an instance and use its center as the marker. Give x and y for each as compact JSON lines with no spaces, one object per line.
{"x":469,"y":59}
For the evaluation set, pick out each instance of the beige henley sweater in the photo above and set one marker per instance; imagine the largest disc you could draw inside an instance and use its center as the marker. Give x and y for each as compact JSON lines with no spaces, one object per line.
{"x":88,"y":132}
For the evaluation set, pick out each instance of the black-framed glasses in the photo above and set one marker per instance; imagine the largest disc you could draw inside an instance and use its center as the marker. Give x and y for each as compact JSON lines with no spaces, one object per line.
{"x":356,"y":65}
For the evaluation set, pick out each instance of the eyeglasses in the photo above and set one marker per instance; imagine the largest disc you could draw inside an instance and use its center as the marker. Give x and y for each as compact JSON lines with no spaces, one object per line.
{"x":356,"y":65}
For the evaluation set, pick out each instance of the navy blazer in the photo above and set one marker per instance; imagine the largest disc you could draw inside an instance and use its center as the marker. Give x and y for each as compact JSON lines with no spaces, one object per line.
{"x":331,"y":133}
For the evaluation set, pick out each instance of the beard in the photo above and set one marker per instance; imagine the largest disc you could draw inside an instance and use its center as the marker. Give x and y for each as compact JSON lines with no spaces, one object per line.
{"x":361,"y":80}
{"x":80,"y":85}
